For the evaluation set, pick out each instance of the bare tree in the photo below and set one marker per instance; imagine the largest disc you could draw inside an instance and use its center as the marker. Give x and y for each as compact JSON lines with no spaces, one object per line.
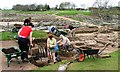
{"x":102,"y":7}
{"x":104,"y":11}
{"x":56,"y":7}
{"x":101,"y":3}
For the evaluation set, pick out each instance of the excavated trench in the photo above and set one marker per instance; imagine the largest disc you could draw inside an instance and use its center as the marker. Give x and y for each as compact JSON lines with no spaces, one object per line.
{"x":96,"y":40}
{"x":37,"y":62}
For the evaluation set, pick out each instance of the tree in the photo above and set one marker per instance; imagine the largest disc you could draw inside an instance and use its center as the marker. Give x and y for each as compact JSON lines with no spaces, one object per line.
{"x":40,"y":7}
{"x":47,"y":7}
{"x":56,"y":7}
{"x":25,"y":8}
{"x":104,"y":11}
{"x":61,"y":6}
{"x":67,"y":5}
{"x":17,"y":7}
{"x":32,"y":7}
{"x":73,"y":6}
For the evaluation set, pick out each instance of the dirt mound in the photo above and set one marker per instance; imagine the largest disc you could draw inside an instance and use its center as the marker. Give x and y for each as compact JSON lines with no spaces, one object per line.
{"x":86,"y":30}
{"x":42,"y":40}
{"x":65,"y":54}
{"x":38,"y":63}
{"x":78,"y":44}
{"x":9,"y":50}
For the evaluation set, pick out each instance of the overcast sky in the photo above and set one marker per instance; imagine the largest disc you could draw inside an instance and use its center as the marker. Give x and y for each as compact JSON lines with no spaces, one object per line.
{"x":7,"y":4}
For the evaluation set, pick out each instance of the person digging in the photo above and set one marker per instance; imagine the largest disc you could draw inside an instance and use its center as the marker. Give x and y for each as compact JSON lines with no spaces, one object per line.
{"x":25,"y":41}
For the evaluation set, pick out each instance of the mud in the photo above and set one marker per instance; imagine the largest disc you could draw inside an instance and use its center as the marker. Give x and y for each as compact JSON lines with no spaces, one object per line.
{"x":65,"y":54}
{"x":9,"y":50}
{"x":38,"y":63}
{"x":42,"y":40}
{"x":79,"y":44}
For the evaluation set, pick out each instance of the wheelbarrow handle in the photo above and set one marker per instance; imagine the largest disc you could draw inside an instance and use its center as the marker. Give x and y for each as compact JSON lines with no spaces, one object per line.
{"x":30,"y":47}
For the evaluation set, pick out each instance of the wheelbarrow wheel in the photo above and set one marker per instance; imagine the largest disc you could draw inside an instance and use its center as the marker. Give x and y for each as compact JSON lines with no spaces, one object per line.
{"x":81,"y":57}
{"x":14,"y":30}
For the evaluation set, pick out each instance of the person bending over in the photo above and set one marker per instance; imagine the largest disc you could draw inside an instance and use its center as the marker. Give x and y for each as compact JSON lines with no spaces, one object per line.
{"x":71,"y":30}
{"x":27,"y":21}
{"x":64,"y":41}
{"x":25,"y":40}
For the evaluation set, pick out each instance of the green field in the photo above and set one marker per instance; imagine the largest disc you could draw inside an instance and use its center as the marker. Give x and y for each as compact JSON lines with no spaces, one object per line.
{"x":12,"y":36}
{"x":57,"y":12}
{"x":72,"y":12}
{"x":54,"y":12}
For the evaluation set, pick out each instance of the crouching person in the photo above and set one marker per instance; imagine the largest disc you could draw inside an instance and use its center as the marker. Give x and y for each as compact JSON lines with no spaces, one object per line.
{"x":71,"y":31}
{"x":64,"y":42}
{"x":51,"y":44}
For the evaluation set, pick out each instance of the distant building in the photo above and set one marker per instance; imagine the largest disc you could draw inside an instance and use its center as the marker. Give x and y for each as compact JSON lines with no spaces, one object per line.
{"x":80,"y":9}
{"x":92,"y":8}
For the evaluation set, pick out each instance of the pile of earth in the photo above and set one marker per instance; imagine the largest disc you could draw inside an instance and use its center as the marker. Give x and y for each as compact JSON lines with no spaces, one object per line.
{"x":9,"y":50}
{"x":37,"y":62}
{"x":40,"y":40}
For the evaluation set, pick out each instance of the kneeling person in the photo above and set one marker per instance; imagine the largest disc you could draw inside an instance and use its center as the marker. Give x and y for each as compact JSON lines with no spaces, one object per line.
{"x":64,"y":41}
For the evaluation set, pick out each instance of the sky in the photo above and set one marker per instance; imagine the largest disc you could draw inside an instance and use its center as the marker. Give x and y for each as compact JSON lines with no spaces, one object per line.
{"x":7,"y":4}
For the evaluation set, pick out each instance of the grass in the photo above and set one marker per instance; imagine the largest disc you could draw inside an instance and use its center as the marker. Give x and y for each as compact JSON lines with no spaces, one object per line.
{"x":28,"y":12}
{"x":7,"y":36}
{"x":89,"y":64}
{"x":36,"y":12}
{"x":78,"y":19}
{"x":97,"y":64}
{"x":12,"y":36}
{"x":40,"y":34}
{"x":49,"y":68}
{"x":58,"y":12}
{"x":72,"y":12}
{"x":67,"y":12}
{"x":9,"y":11}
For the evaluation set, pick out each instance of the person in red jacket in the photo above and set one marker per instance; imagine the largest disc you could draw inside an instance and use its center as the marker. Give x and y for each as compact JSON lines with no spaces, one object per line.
{"x":25,"y":40}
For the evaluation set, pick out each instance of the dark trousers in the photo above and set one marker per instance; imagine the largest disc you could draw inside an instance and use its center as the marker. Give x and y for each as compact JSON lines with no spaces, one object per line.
{"x":66,"y":47}
{"x":24,"y":47}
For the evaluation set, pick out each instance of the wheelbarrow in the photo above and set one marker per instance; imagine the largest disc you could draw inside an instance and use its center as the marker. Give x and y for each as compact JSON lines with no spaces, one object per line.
{"x":16,"y":27}
{"x":89,"y":52}
{"x":82,"y":53}
{"x":12,"y":52}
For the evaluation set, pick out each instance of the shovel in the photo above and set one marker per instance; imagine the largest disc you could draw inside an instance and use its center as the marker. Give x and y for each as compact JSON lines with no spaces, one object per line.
{"x":63,"y":67}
